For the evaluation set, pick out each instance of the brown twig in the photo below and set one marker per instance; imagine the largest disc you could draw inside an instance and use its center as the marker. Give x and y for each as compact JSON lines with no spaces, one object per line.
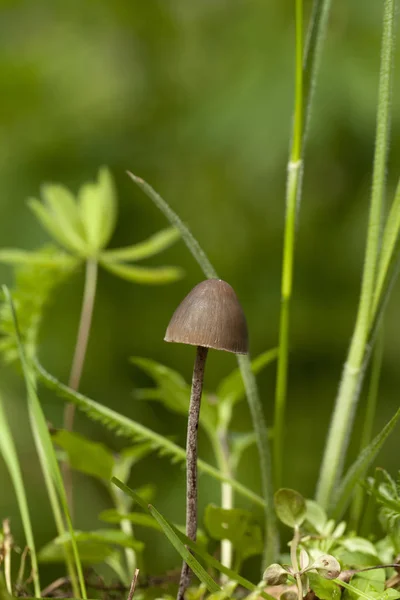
{"x":133,"y":584}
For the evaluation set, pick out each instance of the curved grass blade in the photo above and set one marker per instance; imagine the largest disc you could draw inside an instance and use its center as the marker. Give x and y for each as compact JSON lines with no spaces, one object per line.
{"x":135,"y":431}
{"x":145,"y":275}
{"x":208,"y":559}
{"x":43,"y":440}
{"x":359,"y":467}
{"x":9,"y":453}
{"x":254,"y":402}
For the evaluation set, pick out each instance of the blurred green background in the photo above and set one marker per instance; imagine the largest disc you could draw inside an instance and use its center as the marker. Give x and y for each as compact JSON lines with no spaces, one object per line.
{"x":196,"y":97}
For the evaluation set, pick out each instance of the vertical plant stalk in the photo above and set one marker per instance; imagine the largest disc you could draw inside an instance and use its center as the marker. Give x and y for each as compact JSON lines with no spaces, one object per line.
{"x":191,"y":460}
{"x":260,"y":428}
{"x":343,"y":416}
{"x":366,"y":436}
{"x":222,"y":455}
{"x":85,"y":322}
{"x":295,"y":563}
{"x":126,"y":527}
{"x":306,"y":77}
{"x":293,"y":192}
{"x":8,"y":450}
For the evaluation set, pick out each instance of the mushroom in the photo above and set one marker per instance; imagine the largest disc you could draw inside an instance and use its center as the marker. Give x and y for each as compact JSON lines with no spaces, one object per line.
{"x":209,"y":317}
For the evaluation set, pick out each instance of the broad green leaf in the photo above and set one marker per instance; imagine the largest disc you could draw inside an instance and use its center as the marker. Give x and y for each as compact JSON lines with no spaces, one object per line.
{"x":90,"y":552}
{"x":173,"y":391}
{"x":153,"y":245}
{"x":98,"y":209}
{"x":290,"y":507}
{"x":104,"y":536}
{"x":145,"y":275}
{"x":358,"y":469}
{"x":359,"y":544}
{"x":371,"y":583}
{"x":231,"y":389}
{"x":315,"y":516}
{"x":55,"y":229}
{"x":208,"y":559}
{"x":14,"y":256}
{"x":235,"y":525}
{"x":324,"y":589}
{"x":9,"y":454}
{"x":45,"y":449}
{"x":86,"y":456}
{"x":135,"y":431}
{"x":353,"y":593}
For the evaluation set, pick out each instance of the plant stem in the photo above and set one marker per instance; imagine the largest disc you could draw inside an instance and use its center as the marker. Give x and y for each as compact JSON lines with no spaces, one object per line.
{"x":293,"y":191}
{"x":125,"y":525}
{"x":78,"y":360}
{"x":221,"y":451}
{"x":343,"y":416}
{"x":366,"y":436}
{"x":295,"y":564}
{"x":191,"y":459}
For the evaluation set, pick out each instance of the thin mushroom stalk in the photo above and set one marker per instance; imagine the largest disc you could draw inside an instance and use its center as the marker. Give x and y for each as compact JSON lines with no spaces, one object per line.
{"x":191,"y":458}
{"x":209,"y":317}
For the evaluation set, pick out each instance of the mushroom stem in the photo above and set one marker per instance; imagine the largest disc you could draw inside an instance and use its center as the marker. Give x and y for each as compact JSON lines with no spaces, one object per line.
{"x":191,"y":459}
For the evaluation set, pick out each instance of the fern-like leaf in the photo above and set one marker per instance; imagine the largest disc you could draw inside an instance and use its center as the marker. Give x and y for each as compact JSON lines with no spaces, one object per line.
{"x":132,"y":430}
{"x":35,"y":283}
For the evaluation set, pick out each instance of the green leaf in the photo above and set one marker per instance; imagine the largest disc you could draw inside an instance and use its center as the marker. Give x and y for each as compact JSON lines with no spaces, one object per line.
{"x":98,"y":209}
{"x":135,"y":431}
{"x":326,"y":566}
{"x":86,"y":456}
{"x":9,"y":453}
{"x":324,"y":589}
{"x":144,"y":275}
{"x":43,"y":441}
{"x":62,"y":205}
{"x":15,"y":256}
{"x":54,"y":228}
{"x":315,"y":516}
{"x":35,"y":284}
{"x":153,"y":245}
{"x":173,"y":391}
{"x":235,"y":525}
{"x":231,"y":389}
{"x":290,"y":507}
{"x":90,"y":552}
{"x":357,"y":470}
{"x":275,"y":575}
{"x":372,"y":583}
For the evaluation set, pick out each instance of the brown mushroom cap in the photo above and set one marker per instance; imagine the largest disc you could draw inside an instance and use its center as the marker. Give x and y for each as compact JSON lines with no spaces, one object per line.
{"x":210,"y":316}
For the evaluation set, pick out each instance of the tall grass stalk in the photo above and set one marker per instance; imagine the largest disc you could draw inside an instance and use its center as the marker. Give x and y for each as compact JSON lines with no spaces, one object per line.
{"x":9,"y":453}
{"x":368,"y":424}
{"x":255,"y":406}
{"x":305,"y":81}
{"x":46,"y":451}
{"x":343,"y":416}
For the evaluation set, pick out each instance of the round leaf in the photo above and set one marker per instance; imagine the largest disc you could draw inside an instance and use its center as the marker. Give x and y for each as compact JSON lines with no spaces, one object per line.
{"x":290,"y":507}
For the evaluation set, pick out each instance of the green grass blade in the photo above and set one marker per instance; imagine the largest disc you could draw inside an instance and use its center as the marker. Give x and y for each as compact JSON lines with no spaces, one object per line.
{"x":187,"y":556}
{"x":170,"y":533}
{"x":43,"y":440}
{"x":346,"y":401}
{"x":208,"y":559}
{"x":255,"y":406}
{"x":348,"y":484}
{"x":144,"y":275}
{"x":9,"y":453}
{"x":135,"y":431}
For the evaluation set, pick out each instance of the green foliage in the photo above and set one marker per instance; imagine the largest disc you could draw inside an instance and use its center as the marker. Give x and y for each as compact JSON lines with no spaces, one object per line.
{"x":290,"y":507}
{"x":387,"y":495}
{"x":239,"y":527}
{"x":35,"y":283}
